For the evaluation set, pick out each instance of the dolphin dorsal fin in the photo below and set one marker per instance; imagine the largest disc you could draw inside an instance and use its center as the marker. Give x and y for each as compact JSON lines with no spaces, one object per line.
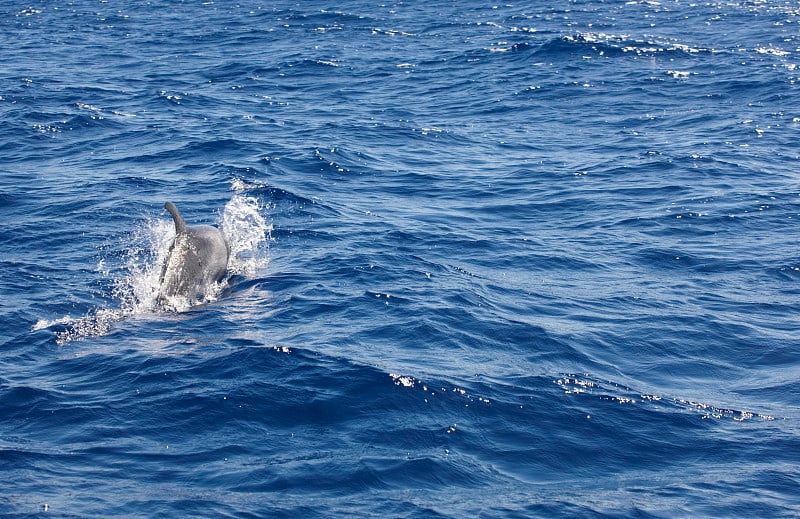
{"x":180,"y":224}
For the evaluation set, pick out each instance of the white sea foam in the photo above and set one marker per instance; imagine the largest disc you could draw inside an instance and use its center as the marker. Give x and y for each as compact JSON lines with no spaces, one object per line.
{"x":246,"y":231}
{"x":679,"y":74}
{"x":772,"y":51}
{"x":135,"y":278}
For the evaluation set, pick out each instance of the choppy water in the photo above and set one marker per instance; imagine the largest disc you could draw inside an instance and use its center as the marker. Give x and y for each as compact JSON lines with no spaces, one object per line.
{"x":489,"y":260}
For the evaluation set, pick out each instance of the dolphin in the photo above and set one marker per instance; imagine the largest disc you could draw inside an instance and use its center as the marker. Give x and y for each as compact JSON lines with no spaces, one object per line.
{"x":197,"y":259}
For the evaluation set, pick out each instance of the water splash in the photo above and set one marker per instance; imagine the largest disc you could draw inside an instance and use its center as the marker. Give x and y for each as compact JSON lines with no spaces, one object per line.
{"x":246,"y":230}
{"x":135,"y":280}
{"x":136,"y":289}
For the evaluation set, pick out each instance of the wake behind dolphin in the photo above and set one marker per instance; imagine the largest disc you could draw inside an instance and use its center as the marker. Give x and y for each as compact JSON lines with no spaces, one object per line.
{"x":197,"y":260}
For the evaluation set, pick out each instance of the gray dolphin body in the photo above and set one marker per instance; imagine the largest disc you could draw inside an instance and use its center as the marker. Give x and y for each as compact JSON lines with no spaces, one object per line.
{"x":197,"y":258}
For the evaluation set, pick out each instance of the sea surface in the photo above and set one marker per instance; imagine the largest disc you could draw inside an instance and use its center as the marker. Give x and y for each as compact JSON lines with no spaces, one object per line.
{"x":519,"y":259}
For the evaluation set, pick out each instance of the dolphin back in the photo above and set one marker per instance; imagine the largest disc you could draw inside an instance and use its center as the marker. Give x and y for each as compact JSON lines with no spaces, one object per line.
{"x":197,"y":260}
{"x":180,"y":223}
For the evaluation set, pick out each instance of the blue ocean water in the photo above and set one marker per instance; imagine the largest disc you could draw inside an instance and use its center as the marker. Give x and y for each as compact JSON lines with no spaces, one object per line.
{"x":490,"y":260}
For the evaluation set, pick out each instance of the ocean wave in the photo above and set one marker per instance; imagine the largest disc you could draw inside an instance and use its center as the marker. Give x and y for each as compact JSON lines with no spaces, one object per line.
{"x":574,"y":384}
{"x":608,"y":44}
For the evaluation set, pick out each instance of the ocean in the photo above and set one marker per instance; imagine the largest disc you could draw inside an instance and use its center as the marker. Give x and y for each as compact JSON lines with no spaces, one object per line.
{"x":487,"y":260}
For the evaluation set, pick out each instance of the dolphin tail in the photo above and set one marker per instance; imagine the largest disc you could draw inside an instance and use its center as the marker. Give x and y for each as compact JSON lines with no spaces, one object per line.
{"x":180,"y":224}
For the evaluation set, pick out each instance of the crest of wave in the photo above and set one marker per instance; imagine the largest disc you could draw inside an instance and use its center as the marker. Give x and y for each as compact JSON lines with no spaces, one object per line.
{"x":135,"y":283}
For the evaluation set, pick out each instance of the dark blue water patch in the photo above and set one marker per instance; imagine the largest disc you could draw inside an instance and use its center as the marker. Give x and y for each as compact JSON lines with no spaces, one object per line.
{"x":676,"y":259}
{"x":22,"y":399}
{"x":344,"y":162}
{"x":236,"y":70}
{"x":312,"y":20}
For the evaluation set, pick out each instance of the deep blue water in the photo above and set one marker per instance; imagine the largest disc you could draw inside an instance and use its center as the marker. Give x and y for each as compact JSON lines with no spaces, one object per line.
{"x":490,"y":260}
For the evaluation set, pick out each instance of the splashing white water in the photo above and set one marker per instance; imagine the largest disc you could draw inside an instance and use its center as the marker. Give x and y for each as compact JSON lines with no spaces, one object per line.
{"x":135,"y":283}
{"x":136,"y":289}
{"x":246,"y":232}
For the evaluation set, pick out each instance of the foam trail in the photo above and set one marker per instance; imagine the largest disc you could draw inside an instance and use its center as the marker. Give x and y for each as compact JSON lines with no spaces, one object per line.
{"x":134,"y":284}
